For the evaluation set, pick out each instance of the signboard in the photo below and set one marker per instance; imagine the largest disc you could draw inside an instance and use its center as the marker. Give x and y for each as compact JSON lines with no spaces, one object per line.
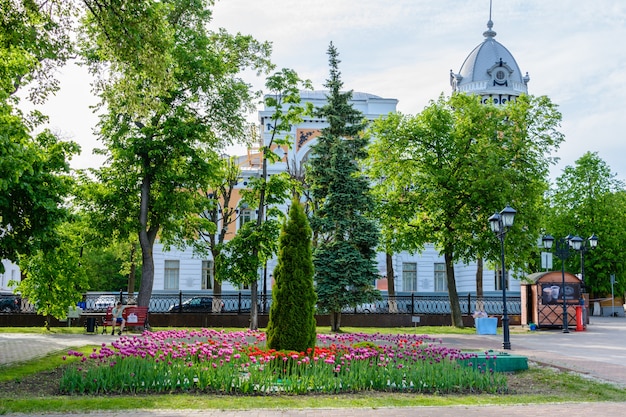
{"x":546,"y":261}
{"x":552,"y":292}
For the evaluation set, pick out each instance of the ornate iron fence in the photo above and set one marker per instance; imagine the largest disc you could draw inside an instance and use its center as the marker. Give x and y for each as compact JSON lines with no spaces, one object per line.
{"x":239,"y":303}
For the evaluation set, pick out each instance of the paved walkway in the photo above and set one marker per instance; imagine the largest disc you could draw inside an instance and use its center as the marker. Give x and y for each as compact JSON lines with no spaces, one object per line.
{"x":598,"y":352}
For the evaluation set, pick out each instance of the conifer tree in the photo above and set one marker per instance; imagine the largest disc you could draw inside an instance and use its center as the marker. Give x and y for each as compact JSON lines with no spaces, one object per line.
{"x":345,"y":239}
{"x":292,"y":321}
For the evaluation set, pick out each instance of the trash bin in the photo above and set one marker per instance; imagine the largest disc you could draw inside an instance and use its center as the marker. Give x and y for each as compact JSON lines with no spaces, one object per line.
{"x":486,"y":325}
{"x":90,"y":324}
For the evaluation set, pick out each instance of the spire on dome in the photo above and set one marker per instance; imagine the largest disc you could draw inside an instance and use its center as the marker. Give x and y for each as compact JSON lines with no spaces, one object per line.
{"x":489,"y":33}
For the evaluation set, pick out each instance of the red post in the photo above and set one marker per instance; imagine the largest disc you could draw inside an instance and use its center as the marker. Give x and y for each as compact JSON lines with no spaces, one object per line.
{"x":579,"y":319}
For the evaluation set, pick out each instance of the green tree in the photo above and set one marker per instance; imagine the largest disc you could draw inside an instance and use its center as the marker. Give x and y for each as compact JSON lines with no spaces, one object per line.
{"x":34,"y":40}
{"x":174,"y":100}
{"x":265,"y":194}
{"x":345,"y":239}
{"x":451,"y":166}
{"x":55,"y":279}
{"x":110,"y":265}
{"x":292,"y":314}
{"x":588,"y":199}
{"x":218,"y":218}
{"x":284,"y":98}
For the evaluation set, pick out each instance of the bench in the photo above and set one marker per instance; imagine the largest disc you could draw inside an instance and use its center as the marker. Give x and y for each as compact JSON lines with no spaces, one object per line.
{"x":140,"y":313}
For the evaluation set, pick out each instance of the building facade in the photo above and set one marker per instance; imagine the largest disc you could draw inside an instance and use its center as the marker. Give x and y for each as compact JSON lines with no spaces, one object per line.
{"x":489,"y":70}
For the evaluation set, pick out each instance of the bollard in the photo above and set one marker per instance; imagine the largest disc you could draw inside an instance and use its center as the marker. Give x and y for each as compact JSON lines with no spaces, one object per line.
{"x":579,"y":319}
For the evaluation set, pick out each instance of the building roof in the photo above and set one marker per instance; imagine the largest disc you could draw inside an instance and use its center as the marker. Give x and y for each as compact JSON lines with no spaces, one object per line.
{"x":321,"y":95}
{"x":490,"y":69}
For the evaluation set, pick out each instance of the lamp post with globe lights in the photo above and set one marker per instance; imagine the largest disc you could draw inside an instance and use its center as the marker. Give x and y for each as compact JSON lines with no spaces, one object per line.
{"x":562,"y":251}
{"x":590,"y":243}
{"x":500,"y":224}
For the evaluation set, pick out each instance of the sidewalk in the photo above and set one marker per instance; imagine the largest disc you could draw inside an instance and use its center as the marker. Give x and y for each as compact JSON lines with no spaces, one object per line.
{"x":598,"y":352}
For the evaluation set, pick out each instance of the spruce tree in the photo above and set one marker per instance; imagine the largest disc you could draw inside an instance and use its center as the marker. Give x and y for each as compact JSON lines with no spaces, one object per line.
{"x":345,"y":238}
{"x":292,"y":314}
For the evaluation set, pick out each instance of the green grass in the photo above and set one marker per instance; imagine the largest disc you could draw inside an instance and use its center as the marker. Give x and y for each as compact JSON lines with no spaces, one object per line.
{"x":559,"y":387}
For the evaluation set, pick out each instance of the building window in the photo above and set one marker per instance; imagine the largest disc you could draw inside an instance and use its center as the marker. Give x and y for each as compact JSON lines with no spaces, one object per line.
{"x":244,"y":217}
{"x":207,"y":275}
{"x":498,"y":277}
{"x":172,"y":269}
{"x":441,"y":279}
{"x":409,"y":276}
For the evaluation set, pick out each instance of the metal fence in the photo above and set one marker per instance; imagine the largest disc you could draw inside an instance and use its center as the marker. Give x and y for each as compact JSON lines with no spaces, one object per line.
{"x":239,"y":303}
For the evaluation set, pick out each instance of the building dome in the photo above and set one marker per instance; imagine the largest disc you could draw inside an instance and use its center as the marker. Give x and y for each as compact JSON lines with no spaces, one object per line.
{"x":490,"y":71}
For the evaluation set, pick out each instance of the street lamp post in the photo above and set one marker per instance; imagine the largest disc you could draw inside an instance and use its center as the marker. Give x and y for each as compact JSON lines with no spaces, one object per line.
{"x":500,"y":224}
{"x":590,"y":243}
{"x":562,"y":252}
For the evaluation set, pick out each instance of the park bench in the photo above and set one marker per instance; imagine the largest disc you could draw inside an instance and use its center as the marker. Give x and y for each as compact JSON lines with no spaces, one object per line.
{"x":135,"y":316}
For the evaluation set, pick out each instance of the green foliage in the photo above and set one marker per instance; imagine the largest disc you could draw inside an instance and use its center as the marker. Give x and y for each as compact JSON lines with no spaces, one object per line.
{"x":292,"y":313}
{"x":108,"y":265}
{"x":173,"y":100}
{"x":32,"y":205}
{"x":346,"y":239}
{"x":55,"y":279}
{"x":34,"y":39}
{"x":588,"y":199}
{"x":442,"y":173}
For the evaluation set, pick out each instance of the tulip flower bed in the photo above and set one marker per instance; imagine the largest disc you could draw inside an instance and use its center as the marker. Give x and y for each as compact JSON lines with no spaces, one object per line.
{"x":237,"y":363}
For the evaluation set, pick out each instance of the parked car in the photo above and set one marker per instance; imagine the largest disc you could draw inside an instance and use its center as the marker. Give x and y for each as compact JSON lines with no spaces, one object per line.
{"x":361,"y":308}
{"x":9,"y":304}
{"x":195,"y":304}
{"x":105,"y":301}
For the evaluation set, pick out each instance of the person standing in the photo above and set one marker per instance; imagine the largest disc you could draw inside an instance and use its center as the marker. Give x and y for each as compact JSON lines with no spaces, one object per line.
{"x":118,"y":318}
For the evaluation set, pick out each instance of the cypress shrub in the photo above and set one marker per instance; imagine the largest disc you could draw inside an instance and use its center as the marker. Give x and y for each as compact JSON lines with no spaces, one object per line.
{"x":292,"y":313}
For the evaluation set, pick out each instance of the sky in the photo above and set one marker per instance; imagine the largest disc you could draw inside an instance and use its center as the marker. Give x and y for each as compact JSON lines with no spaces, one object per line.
{"x":573,"y":51}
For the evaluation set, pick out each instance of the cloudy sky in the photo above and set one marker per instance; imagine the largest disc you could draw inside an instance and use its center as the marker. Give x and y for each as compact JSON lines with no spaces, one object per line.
{"x":573,"y":51}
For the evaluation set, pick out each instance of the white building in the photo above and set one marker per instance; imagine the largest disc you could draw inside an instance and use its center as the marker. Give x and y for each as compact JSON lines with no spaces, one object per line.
{"x":490,"y":70}
{"x":11,"y":273}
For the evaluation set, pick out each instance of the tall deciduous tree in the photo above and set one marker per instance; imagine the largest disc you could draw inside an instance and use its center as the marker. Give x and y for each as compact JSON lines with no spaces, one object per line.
{"x":284,"y":98}
{"x":451,"y":166}
{"x":174,"y":100}
{"x":34,"y":40}
{"x":345,"y":239}
{"x":256,"y":242}
{"x":219,"y":220}
{"x":588,"y":199}
{"x":292,"y":314}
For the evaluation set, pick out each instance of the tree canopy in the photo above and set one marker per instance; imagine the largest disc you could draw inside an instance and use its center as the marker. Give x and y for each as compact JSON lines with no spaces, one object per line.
{"x":34,"y":163}
{"x":587,"y":199}
{"x":445,"y":171}
{"x":173,"y":100}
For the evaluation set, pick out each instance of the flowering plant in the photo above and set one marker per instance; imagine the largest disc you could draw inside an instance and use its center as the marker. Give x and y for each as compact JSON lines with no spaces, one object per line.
{"x":212,"y":361}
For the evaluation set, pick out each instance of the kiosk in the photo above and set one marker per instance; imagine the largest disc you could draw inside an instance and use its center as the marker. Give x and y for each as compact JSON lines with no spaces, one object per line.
{"x":542,"y":299}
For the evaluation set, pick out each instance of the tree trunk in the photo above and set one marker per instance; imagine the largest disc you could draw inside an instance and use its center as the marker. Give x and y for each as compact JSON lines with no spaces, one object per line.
{"x":254,"y":286}
{"x":335,"y":321}
{"x":217,"y":296}
{"x":455,"y":307}
{"x":254,"y":311}
{"x":479,"y":284}
{"x":391,"y":284}
{"x":146,"y":241}
{"x":131,"y":274}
